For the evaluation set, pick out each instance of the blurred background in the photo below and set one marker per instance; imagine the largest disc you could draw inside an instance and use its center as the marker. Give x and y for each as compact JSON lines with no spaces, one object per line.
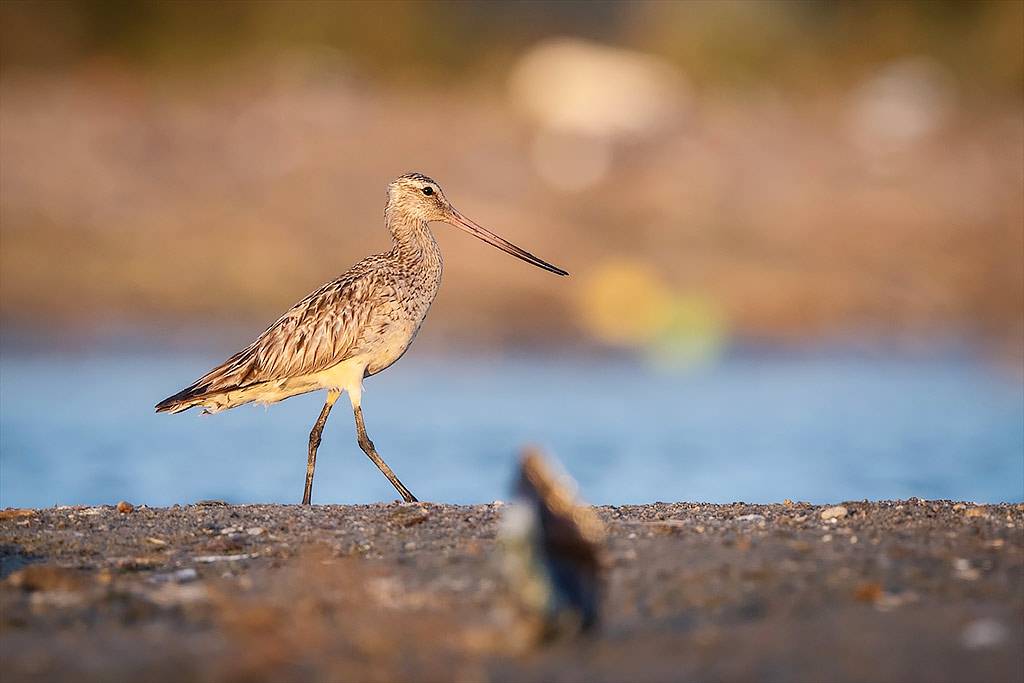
{"x":795,"y":232}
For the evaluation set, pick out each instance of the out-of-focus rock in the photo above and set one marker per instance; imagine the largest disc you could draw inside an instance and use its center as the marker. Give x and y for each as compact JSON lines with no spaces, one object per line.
{"x":135,"y":564}
{"x":409,"y":515}
{"x":15,"y":513}
{"x":552,"y":550}
{"x":124,"y":507}
{"x":44,"y":577}
{"x":834,"y":512}
{"x":186,"y":575}
{"x":983,"y":634}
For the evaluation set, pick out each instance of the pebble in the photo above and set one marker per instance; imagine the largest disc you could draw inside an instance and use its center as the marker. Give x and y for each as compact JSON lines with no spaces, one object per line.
{"x":750,"y":518}
{"x":15,"y":513}
{"x":43,"y":577}
{"x":835,"y":512}
{"x":225,"y":558}
{"x":963,"y":570}
{"x":124,"y":507}
{"x":186,"y":575}
{"x":982,"y":634}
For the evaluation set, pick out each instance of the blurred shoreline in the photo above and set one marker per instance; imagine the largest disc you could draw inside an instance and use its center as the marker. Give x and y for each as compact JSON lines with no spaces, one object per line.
{"x":18,"y":342}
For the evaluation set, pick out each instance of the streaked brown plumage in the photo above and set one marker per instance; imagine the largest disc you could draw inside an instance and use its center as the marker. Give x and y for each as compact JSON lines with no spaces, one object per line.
{"x":350,"y":328}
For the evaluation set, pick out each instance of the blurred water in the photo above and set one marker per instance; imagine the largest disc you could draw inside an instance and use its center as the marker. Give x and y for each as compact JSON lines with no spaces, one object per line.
{"x":81,"y":430}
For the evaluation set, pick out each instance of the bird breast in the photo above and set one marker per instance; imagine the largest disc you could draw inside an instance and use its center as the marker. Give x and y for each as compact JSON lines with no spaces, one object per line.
{"x":397,"y":323}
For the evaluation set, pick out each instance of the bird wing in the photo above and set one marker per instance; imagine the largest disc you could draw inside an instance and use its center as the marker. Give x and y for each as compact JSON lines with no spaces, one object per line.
{"x":320,"y":331}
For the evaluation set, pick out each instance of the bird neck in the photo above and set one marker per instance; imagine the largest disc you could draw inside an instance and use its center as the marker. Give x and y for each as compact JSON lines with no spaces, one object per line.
{"x":412,"y":237}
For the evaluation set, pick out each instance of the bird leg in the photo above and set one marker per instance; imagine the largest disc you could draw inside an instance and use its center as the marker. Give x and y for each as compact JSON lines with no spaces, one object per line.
{"x":367,"y":446}
{"x":314,"y":443}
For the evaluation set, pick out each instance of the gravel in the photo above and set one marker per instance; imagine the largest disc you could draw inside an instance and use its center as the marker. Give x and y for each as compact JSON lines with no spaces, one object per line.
{"x":881,"y":591}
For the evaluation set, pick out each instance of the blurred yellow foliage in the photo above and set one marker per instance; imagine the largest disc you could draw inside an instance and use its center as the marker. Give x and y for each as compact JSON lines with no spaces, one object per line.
{"x":626,"y":304}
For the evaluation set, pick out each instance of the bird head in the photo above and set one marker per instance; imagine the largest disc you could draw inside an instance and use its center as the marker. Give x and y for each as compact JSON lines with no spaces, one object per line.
{"x":419,"y":197}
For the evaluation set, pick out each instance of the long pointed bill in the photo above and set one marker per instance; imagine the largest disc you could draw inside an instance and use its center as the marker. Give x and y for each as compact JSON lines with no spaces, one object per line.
{"x":487,"y":236}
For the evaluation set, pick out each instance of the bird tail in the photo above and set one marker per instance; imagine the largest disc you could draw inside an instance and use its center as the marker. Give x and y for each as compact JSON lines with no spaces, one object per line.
{"x":212,"y":389}
{"x":183,"y":400}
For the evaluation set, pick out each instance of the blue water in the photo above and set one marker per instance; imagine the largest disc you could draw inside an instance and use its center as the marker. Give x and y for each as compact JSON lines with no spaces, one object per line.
{"x":81,"y":430}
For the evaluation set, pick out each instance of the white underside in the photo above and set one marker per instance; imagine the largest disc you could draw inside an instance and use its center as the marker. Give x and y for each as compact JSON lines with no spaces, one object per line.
{"x":346,"y":376}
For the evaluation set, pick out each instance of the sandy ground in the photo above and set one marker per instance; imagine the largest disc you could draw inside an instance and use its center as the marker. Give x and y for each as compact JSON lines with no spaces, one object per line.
{"x":891,"y":591}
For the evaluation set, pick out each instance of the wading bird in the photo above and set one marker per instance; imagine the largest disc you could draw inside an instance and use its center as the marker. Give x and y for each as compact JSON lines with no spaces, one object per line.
{"x":350,"y":328}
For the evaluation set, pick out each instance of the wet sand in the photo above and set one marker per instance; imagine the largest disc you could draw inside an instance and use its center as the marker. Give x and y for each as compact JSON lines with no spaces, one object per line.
{"x":889,"y":591}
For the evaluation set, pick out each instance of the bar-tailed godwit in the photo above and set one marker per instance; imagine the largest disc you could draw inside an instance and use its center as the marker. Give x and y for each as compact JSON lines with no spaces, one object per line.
{"x":350,"y":328}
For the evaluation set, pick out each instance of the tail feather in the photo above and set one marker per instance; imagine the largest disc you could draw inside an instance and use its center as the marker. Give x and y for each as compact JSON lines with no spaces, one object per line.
{"x":183,"y":400}
{"x":226,"y":377}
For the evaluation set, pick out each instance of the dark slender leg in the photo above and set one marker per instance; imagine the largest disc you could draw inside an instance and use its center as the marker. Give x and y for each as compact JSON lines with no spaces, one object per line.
{"x":314,"y":443}
{"x":367,"y":446}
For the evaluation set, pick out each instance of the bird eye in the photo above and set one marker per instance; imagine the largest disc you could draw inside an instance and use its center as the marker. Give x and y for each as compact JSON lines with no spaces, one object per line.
{"x":428,"y":190}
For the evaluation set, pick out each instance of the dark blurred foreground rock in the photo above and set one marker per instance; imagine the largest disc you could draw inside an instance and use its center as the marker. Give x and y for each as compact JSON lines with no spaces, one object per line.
{"x":892,"y":591}
{"x":552,"y":551}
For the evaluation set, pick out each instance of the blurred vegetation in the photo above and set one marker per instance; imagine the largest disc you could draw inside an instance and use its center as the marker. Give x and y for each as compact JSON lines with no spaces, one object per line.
{"x":814,"y":44}
{"x":772,"y":170}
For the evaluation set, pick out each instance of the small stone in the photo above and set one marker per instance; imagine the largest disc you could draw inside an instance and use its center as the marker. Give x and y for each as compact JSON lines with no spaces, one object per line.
{"x":225,"y":558}
{"x":750,"y":518}
{"x":869,"y":592}
{"x":976,"y":512}
{"x":124,"y":507}
{"x":963,"y":570}
{"x":15,"y":513}
{"x":411,"y":545}
{"x":409,"y":515}
{"x":186,"y":575}
{"x":156,"y":541}
{"x":44,"y":577}
{"x":255,"y":531}
{"x":135,"y":564}
{"x":983,"y":634}
{"x":834,"y":512}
